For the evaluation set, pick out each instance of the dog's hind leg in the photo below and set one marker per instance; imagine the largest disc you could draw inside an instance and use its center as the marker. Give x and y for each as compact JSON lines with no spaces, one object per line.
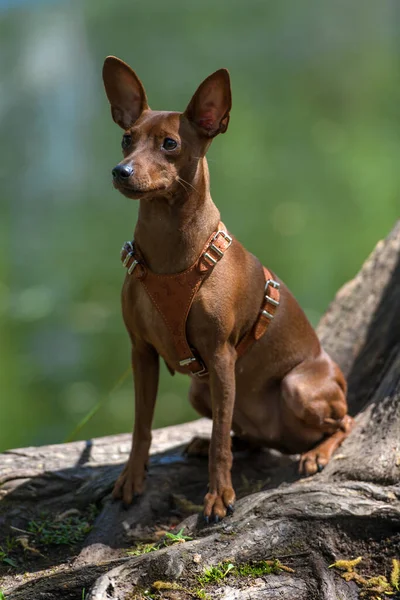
{"x":315,"y":460}
{"x":315,"y":405}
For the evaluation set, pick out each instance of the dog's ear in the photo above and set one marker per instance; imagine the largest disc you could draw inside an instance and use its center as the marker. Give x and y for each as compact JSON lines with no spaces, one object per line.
{"x":209,"y":108}
{"x":125,"y":92}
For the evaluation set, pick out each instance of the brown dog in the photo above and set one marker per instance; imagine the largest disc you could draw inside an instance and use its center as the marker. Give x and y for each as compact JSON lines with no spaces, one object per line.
{"x":192,"y":288}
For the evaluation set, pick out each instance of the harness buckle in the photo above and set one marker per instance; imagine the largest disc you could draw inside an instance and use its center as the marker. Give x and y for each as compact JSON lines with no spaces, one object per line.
{"x":203,"y":371}
{"x":187,"y":361}
{"x":126,"y":247}
{"x":127,"y":258}
{"x":268,"y":299}
{"x":218,"y":253}
{"x":129,"y":248}
{"x":225,"y":235}
{"x":267,"y":314}
{"x":133,"y":267}
{"x":272,"y":282}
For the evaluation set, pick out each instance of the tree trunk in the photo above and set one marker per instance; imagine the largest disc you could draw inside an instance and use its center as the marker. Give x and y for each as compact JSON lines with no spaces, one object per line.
{"x":351,"y":509}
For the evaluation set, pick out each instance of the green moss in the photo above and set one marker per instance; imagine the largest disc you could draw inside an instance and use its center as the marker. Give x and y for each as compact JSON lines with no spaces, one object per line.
{"x":158,"y":587}
{"x":161,"y":586}
{"x":257,"y":569}
{"x":211,"y":576}
{"x":251,"y":569}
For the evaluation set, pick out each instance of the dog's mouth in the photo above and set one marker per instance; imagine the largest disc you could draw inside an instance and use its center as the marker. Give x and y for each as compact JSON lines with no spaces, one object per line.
{"x":136,"y":193}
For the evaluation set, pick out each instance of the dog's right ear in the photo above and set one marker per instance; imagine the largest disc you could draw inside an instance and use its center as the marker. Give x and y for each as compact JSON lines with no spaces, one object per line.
{"x":125,"y":92}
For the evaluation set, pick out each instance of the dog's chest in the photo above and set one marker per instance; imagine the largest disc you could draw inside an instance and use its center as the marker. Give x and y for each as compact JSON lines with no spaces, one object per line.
{"x":144,"y":320}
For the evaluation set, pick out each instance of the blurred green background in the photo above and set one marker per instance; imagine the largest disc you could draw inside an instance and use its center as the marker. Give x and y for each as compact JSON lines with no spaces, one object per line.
{"x":306,"y":177}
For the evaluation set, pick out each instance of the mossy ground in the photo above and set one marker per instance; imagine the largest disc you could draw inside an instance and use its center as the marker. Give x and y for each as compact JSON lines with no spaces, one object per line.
{"x":372,"y":587}
{"x":201,"y":586}
{"x":44,"y":545}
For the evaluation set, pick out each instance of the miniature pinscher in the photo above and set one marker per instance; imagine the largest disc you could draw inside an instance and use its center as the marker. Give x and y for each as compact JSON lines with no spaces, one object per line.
{"x":196,"y":297}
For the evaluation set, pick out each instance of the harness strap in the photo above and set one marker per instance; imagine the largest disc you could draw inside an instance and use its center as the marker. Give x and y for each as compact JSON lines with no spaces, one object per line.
{"x":173,"y":295}
{"x":267,"y":313}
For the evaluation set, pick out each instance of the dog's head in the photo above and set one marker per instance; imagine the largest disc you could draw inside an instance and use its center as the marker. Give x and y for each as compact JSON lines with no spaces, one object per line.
{"x":162,"y":149}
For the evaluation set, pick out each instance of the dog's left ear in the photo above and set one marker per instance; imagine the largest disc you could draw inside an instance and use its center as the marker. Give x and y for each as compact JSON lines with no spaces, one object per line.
{"x":125,"y":92}
{"x":209,"y":108}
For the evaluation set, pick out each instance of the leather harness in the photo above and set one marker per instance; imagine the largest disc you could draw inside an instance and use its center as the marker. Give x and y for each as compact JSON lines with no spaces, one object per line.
{"x":173,"y":295}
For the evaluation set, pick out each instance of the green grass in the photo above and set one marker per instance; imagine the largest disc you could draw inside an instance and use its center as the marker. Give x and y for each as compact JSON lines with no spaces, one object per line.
{"x":142,"y":549}
{"x":169,"y":540}
{"x":201,"y":594}
{"x":215,"y":574}
{"x":172,"y":538}
{"x":4,"y":558}
{"x":10,"y":545}
{"x":2,"y":596}
{"x":68,"y":531}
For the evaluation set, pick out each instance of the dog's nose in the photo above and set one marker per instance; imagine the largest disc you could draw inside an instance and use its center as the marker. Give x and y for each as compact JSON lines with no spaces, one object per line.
{"x":122,"y":172}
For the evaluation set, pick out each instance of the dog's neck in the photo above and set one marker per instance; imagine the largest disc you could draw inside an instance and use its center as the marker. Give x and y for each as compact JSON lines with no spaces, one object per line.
{"x":172,"y":231}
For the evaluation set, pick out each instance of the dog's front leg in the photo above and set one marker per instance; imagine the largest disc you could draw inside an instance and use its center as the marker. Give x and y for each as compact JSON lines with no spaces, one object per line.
{"x":145,"y":365}
{"x":221,"y":496}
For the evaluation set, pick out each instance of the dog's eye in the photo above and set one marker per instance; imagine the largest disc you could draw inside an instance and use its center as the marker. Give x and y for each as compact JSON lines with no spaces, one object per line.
{"x":169,"y":144}
{"x":126,"y":141}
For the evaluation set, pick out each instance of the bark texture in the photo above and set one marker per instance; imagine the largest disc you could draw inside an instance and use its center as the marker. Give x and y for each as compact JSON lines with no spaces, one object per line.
{"x":350,"y":509}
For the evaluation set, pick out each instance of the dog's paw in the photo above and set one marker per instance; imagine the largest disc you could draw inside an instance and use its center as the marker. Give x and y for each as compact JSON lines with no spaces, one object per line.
{"x":128,"y":486}
{"x":312,"y":462}
{"x":218,"y":505}
{"x":198,"y":446}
